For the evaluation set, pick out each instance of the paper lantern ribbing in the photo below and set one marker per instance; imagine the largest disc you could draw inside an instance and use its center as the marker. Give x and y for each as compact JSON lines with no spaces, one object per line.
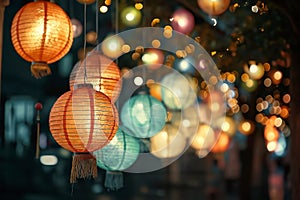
{"x":214,"y":7}
{"x":41,"y":33}
{"x":143,"y":115}
{"x":168,"y":143}
{"x":177,"y":92}
{"x":82,"y":121}
{"x":119,"y":154}
{"x":101,"y":72}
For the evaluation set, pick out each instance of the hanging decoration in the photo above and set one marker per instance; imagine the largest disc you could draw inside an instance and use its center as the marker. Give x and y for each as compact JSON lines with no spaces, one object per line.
{"x":214,"y":7}
{"x":111,"y":46}
{"x":118,"y":155}
{"x":168,"y":143}
{"x":41,"y":33}
{"x":182,"y":21}
{"x":38,"y":106}
{"x":101,"y":72}
{"x":130,"y":16}
{"x":82,"y":121}
{"x":222,"y":143}
{"x":203,"y":140}
{"x":143,"y":115}
{"x":177,"y":91}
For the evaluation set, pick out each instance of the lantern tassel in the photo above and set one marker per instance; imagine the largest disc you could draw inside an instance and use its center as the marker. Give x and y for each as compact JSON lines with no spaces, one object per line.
{"x":40,"y":69}
{"x":83,"y":166}
{"x":113,"y":180}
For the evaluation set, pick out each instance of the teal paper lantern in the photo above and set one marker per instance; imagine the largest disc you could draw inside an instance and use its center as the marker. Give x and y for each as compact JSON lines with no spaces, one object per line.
{"x":143,"y":115}
{"x":118,"y":155}
{"x":121,"y":152}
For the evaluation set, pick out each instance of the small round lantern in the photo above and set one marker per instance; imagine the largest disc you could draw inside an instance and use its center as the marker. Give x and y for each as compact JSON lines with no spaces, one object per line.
{"x":130,"y":16}
{"x":41,"y":33}
{"x":177,"y":92}
{"x":214,"y":7}
{"x":222,"y":143}
{"x":111,"y":46}
{"x":143,"y":115}
{"x":203,"y":140}
{"x":183,"y":21}
{"x":118,"y":155}
{"x":82,"y":121}
{"x":168,"y":143}
{"x":101,"y":72}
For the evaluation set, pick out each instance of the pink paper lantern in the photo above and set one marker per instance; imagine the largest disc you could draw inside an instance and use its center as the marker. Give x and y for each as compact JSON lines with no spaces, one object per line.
{"x":183,"y":21}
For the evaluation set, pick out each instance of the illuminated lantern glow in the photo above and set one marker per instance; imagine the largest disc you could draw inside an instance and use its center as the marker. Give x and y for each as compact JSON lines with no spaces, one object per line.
{"x":255,"y":71}
{"x":216,"y":108}
{"x":153,"y":58}
{"x":41,"y":33}
{"x":246,"y":127}
{"x":118,"y":155}
{"x":227,"y":125}
{"x":187,"y":120}
{"x":155,"y":91}
{"x":82,"y":121}
{"x":177,"y":91}
{"x":101,"y":72}
{"x":77,"y":27}
{"x":203,"y":140}
{"x":168,"y":143}
{"x":143,"y":115}
{"x":214,"y":7}
{"x":271,"y":133}
{"x":222,"y":143}
{"x":121,"y":152}
{"x":130,"y":16}
{"x":183,"y":21}
{"x":111,"y":46}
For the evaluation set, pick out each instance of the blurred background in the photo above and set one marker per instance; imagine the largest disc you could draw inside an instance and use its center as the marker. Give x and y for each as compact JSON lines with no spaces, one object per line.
{"x":254,"y":44}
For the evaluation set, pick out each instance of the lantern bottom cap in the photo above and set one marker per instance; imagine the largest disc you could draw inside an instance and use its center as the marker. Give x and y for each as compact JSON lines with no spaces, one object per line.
{"x":40,"y":69}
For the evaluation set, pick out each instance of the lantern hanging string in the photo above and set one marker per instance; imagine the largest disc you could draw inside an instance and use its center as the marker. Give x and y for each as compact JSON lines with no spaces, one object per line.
{"x":97,"y":24}
{"x":97,"y":34}
{"x":84,"y":43}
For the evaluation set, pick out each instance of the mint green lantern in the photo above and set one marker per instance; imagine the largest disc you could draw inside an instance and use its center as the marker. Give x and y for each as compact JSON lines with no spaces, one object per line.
{"x":121,"y":152}
{"x":143,"y":115}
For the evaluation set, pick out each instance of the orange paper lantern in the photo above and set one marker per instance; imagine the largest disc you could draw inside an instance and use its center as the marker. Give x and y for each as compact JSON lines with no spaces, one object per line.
{"x":82,"y":121}
{"x":222,"y":143}
{"x":41,"y":33}
{"x":101,"y":72}
{"x":214,"y":7}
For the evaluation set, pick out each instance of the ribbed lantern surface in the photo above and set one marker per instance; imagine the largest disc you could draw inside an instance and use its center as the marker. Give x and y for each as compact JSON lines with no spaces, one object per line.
{"x":41,"y":33}
{"x":119,"y":154}
{"x":83,"y":120}
{"x":143,"y":115}
{"x":101,"y":72}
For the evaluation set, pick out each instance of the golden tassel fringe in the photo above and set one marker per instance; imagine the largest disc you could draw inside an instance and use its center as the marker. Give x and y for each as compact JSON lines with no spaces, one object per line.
{"x":40,"y":69}
{"x":83,"y":166}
